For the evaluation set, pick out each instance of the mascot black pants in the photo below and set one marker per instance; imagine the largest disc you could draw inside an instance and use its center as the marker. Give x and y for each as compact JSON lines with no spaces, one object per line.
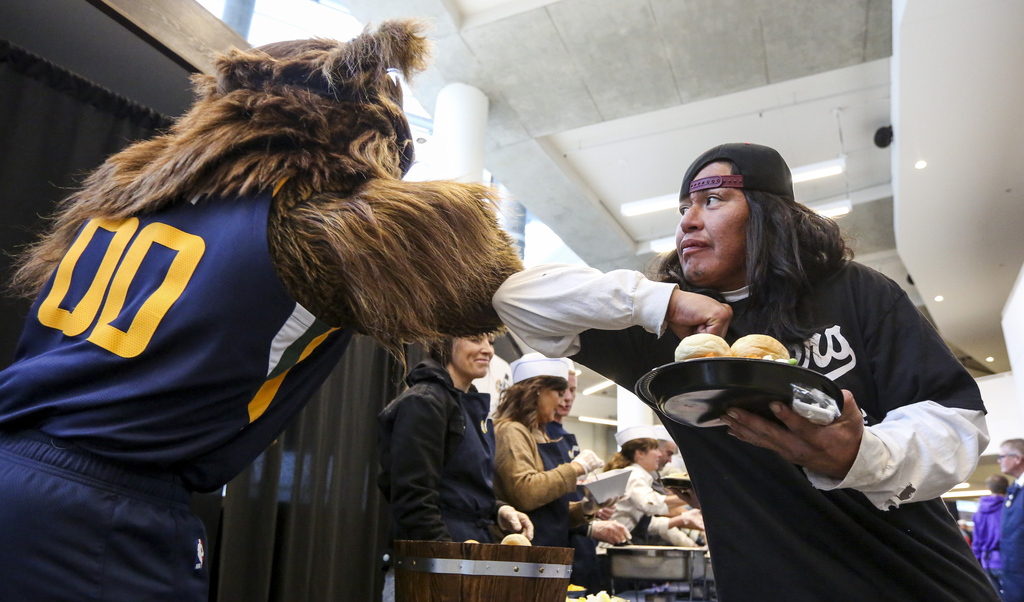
{"x":76,"y":527}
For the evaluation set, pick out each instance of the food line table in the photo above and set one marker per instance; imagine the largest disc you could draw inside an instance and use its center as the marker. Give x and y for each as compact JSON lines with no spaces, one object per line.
{"x":686,"y":571}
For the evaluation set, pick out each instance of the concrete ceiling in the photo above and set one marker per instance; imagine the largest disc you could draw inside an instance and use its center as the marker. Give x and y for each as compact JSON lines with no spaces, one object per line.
{"x":575,"y":82}
{"x":597,"y":103}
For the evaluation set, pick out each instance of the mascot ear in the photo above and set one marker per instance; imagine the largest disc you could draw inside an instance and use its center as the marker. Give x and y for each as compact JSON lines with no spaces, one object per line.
{"x":322,"y":65}
{"x":397,"y":44}
{"x":243,"y":69}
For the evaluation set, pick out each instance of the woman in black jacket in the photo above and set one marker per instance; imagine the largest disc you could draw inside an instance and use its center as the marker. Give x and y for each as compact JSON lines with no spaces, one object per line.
{"x":437,"y":451}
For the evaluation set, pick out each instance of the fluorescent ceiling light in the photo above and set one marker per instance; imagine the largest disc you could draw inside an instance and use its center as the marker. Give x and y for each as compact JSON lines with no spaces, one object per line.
{"x":834,"y":209}
{"x":972,"y":493}
{"x":819,"y":170}
{"x":658,"y":245}
{"x":658,"y":203}
{"x":597,"y":387}
{"x":598,"y":420}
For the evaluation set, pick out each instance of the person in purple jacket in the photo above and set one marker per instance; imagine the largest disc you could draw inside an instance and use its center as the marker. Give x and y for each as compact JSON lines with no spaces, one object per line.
{"x":986,"y":529}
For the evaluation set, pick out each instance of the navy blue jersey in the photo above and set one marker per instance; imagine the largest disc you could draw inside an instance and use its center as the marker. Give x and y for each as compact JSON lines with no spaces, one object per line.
{"x":167,"y":340}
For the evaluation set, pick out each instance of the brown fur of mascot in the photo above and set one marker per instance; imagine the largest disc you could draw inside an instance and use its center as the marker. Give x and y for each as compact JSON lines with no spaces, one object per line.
{"x":352,"y":242}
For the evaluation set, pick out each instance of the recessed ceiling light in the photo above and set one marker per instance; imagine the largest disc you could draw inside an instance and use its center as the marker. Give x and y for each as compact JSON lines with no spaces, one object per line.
{"x":920,"y":165}
{"x":939,"y":297}
{"x":990,"y":359}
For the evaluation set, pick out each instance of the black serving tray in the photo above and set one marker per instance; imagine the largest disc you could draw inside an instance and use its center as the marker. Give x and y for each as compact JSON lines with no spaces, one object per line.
{"x":677,"y":482}
{"x":697,"y":392}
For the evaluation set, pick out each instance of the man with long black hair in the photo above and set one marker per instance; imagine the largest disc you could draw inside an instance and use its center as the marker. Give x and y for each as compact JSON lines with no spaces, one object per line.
{"x":844,"y":511}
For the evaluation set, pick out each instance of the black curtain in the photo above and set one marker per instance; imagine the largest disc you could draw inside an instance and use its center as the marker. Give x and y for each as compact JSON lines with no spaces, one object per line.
{"x":55,"y":127}
{"x":306,"y":521}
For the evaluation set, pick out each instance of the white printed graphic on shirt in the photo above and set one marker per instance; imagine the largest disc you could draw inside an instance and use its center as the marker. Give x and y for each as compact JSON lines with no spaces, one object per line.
{"x":200,"y":554}
{"x":829,"y":350}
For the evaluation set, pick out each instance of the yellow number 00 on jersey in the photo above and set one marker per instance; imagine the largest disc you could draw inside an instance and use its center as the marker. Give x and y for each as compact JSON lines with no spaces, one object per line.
{"x":132,"y":342}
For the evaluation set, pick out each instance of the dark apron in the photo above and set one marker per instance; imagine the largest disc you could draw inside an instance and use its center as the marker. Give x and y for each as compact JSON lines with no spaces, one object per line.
{"x":566,"y":440}
{"x":467,"y":480}
{"x":551,"y":521}
{"x":586,"y":572}
{"x":639,"y":534}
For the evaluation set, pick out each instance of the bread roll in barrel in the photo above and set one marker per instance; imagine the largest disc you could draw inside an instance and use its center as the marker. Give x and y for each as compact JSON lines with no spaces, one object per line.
{"x":702,"y":345}
{"x":759,"y":346}
{"x":515,"y":539}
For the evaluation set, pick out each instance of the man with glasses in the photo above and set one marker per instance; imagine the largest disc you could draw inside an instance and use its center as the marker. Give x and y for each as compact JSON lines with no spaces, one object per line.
{"x":1011,"y":541}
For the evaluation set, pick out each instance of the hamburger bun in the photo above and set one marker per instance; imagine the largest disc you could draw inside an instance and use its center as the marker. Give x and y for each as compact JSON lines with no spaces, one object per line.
{"x":515,"y":539}
{"x":759,"y":346}
{"x":702,"y":345}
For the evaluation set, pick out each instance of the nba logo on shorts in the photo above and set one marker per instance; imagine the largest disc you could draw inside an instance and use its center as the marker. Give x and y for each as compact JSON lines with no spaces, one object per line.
{"x":199,"y":554}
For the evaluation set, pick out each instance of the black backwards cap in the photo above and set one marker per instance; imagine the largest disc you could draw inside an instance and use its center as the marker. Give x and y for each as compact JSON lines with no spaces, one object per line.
{"x":760,"y":168}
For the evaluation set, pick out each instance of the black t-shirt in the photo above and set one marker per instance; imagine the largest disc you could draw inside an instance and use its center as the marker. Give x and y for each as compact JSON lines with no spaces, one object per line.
{"x":772,"y":535}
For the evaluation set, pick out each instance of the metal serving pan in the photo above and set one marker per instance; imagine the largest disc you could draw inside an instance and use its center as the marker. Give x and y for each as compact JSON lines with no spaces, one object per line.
{"x":659,"y":563}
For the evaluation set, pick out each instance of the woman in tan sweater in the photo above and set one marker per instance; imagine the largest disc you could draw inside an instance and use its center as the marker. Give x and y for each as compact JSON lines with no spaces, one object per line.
{"x":528,"y":472}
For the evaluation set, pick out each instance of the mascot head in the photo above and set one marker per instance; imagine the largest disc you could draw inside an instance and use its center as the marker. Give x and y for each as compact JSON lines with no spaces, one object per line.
{"x":328,"y":111}
{"x":319,"y":123}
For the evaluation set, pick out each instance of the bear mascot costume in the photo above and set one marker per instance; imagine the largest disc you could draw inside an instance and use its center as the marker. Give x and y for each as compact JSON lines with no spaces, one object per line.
{"x":199,"y":288}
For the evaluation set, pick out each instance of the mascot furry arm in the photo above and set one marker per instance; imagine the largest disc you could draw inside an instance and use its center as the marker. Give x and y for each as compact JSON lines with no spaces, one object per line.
{"x":320,"y":123}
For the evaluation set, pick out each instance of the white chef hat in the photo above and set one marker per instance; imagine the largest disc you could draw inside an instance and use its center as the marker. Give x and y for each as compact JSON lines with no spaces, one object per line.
{"x":535,"y":364}
{"x":661,"y":433}
{"x":642,"y":431}
{"x":569,"y":364}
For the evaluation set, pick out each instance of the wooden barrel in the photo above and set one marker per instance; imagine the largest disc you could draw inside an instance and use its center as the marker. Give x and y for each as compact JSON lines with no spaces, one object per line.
{"x":443,"y":571}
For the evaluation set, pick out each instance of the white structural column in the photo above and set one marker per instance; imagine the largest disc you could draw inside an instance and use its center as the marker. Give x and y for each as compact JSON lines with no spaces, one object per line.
{"x":632,"y":411}
{"x":460,"y":128}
